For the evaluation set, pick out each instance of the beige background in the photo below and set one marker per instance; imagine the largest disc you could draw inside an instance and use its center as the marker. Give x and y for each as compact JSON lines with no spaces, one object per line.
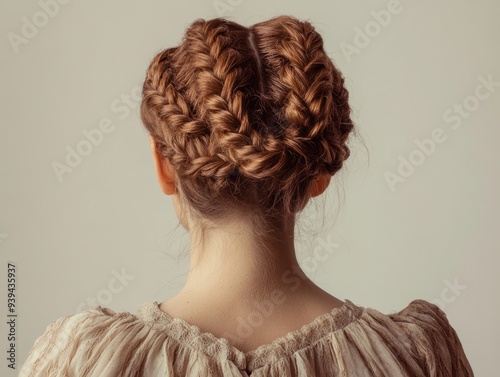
{"x":70,"y":236}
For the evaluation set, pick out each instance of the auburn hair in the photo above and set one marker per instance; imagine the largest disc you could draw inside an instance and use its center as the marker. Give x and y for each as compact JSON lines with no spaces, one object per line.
{"x":248,"y":116}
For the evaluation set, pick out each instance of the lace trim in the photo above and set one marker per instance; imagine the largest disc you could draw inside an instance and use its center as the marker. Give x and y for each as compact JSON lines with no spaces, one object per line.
{"x":219,"y":348}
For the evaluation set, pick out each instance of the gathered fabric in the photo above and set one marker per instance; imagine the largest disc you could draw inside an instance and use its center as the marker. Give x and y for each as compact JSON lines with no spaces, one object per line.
{"x":351,"y":340}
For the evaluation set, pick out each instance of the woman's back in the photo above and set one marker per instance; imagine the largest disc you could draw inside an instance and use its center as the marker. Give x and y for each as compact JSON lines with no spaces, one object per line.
{"x":349,"y":341}
{"x":251,"y":322}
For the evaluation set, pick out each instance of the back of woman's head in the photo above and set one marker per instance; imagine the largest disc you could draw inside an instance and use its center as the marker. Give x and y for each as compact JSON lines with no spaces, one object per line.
{"x":248,"y":117}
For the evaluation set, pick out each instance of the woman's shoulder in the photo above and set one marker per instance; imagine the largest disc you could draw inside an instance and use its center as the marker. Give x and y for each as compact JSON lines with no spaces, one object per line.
{"x":421,"y":320}
{"x":423,"y":317}
{"x":71,"y":325}
{"x":100,"y":342}
{"x":417,"y":315}
{"x":76,"y":327}
{"x":425,"y":331}
{"x":70,"y":342}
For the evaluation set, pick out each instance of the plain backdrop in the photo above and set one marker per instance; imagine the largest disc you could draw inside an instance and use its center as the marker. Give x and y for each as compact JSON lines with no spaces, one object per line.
{"x":424,"y":82}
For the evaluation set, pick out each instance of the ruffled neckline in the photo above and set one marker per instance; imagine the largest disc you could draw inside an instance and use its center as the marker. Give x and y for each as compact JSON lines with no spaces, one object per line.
{"x":219,"y":348}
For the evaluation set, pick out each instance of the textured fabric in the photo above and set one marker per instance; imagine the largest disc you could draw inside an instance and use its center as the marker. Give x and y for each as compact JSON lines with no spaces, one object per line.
{"x":351,"y":340}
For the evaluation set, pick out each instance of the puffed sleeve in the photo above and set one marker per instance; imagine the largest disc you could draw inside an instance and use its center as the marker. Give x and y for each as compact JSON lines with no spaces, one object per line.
{"x":436,"y":342}
{"x":65,"y":346}
{"x":98,"y":343}
{"x":51,"y":349}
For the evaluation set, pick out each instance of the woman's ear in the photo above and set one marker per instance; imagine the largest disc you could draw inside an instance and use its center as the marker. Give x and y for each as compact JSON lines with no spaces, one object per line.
{"x":319,"y":185}
{"x":164,"y":170}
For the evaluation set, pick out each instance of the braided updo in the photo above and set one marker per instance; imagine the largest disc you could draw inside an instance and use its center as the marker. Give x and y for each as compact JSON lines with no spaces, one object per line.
{"x":248,"y":117}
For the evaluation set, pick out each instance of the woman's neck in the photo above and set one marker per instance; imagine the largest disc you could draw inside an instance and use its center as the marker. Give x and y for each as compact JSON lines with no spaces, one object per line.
{"x":230,"y":267}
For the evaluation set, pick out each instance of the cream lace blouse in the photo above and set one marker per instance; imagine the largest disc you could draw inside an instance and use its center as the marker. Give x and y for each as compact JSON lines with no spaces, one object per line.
{"x":351,"y":340}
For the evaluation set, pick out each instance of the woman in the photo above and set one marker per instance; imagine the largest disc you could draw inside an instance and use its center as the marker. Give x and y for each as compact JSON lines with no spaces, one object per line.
{"x":246,"y":125}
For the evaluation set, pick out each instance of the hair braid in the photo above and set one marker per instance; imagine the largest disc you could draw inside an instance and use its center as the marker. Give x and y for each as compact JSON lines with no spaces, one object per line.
{"x":222,"y":85}
{"x":249,"y":113}
{"x":168,"y":115}
{"x":310,"y":92}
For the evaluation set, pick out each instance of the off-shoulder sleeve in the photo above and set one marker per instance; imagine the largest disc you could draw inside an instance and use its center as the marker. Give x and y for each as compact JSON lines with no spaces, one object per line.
{"x":436,"y":341}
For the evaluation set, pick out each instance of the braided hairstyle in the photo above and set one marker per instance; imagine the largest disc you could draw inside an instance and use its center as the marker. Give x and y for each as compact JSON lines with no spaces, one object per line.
{"x":248,"y":116}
